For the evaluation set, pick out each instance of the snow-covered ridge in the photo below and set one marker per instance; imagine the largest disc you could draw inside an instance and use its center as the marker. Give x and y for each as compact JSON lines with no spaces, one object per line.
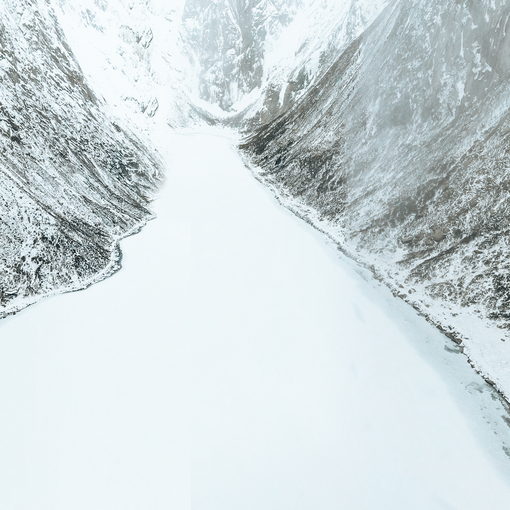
{"x":226,"y":42}
{"x":252,"y":59}
{"x":131,"y":52}
{"x":73,"y":181}
{"x":399,"y":151}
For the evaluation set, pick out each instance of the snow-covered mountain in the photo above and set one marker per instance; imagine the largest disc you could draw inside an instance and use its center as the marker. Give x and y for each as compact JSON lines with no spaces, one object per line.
{"x":131,"y":52}
{"x":73,"y":181}
{"x":251,"y":59}
{"x":400,"y":151}
{"x":226,"y":42}
{"x":303,"y":50}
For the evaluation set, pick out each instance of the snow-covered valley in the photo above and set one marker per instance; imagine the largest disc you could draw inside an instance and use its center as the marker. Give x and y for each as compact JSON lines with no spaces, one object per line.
{"x":238,"y":361}
{"x":241,"y":359}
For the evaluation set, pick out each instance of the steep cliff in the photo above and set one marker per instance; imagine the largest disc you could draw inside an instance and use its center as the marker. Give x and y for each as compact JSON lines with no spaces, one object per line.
{"x":303,"y":50}
{"x":72,"y":180}
{"x":400,"y":151}
{"x":226,"y":42}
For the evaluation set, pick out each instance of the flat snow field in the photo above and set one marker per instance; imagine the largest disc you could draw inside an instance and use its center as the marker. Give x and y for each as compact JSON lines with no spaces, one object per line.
{"x":238,"y":362}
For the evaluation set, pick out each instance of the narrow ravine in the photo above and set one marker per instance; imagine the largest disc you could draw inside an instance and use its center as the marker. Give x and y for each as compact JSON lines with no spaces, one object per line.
{"x":237,"y":361}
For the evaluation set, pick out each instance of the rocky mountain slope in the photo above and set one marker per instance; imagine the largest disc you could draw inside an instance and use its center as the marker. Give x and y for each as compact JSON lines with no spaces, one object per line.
{"x":72,"y":180}
{"x":400,"y":152}
{"x":132,"y":53}
{"x":226,"y":42}
{"x":302,"y":50}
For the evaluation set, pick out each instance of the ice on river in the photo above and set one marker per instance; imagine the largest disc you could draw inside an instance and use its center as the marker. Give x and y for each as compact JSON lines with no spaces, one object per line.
{"x":238,"y":362}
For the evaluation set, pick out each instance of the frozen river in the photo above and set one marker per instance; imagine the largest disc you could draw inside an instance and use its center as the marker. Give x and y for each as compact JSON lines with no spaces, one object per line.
{"x":238,"y":362}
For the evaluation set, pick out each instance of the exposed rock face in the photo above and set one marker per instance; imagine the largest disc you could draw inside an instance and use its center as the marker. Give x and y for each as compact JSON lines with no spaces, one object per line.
{"x":401,"y":151}
{"x":227,"y":42}
{"x":303,"y":49}
{"x":72,"y":181}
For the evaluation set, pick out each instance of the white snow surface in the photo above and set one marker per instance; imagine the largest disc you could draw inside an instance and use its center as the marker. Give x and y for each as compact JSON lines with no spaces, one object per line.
{"x":239,"y":362}
{"x":131,"y":52}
